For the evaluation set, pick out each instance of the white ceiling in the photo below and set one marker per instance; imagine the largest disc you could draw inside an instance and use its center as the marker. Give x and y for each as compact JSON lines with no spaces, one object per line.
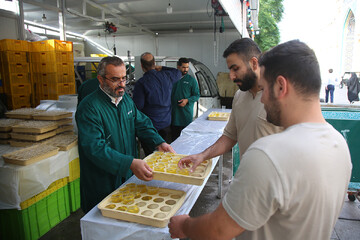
{"x":87,"y":17}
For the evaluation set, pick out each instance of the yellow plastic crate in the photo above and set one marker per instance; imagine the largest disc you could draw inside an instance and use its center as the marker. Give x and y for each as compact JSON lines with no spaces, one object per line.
{"x":52,"y":57}
{"x":51,"y":45}
{"x":14,"y":45}
{"x":18,"y":101}
{"x":18,"y":89}
{"x":14,"y":67}
{"x":14,"y":56}
{"x":52,"y":88}
{"x":74,"y":169}
{"x":15,"y":78}
{"x":53,"y":77}
{"x":51,"y":67}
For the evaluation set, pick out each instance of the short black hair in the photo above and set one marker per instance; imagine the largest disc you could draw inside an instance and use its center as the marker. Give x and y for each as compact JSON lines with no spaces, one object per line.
{"x":182,"y":60}
{"x":295,"y":61}
{"x":116,"y":61}
{"x":245,"y":48}
{"x":147,"y":65}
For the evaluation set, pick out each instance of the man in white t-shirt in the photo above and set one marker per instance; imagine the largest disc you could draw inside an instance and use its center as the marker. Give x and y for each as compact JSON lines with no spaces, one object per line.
{"x":281,"y":189}
{"x":330,"y":87}
{"x":247,"y":121}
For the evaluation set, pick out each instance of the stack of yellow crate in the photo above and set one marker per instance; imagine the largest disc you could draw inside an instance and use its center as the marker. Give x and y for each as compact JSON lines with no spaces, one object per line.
{"x":52,"y":69}
{"x":15,"y":73}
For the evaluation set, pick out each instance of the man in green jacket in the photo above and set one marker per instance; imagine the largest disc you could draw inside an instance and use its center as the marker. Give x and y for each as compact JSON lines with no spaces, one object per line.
{"x":184,"y":94}
{"x":108,"y":123}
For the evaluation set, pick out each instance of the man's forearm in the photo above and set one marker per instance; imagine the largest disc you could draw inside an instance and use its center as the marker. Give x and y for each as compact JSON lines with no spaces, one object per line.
{"x":221,"y":146}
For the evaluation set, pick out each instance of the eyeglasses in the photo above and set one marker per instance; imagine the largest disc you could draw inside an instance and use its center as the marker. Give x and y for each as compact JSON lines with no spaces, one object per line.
{"x":117,"y":80}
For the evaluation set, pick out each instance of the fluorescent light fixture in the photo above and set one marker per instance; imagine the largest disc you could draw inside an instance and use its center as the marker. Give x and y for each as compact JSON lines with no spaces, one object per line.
{"x":169,"y":9}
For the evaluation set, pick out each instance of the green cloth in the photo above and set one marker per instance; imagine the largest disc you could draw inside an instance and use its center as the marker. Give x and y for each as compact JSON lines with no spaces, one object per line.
{"x":87,"y":87}
{"x":107,"y":144}
{"x":185,"y":88}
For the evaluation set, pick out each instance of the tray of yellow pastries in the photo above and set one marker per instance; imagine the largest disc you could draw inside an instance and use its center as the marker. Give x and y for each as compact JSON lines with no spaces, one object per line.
{"x":7,"y":123}
{"x":165,"y":168}
{"x":149,"y":205}
{"x":22,"y":113}
{"x":219,"y":116}
{"x":52,"y":115}
{"x":30,"y":155}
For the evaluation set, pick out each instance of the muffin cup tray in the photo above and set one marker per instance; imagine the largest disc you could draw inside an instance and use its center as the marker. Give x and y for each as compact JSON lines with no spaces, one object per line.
{"x":219,"y":116}
{"x":149,"y":209}
{"x":172,"y":173}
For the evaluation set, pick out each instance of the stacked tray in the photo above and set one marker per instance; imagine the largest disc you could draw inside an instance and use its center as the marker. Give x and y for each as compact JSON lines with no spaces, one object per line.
{"x":30,"y":155}
{"x":5,"y":129}
{"x":22,"y":113}
{"x":165,"y":168}
{"x":219,"y":116}
{"x":52,"y":115}
{"x":143,"y":204}
{"x":34,"y":130}
{"x":63,"y":141}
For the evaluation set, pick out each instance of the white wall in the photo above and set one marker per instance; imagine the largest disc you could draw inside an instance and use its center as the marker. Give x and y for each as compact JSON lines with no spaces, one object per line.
{"x":8,"y":25}
{"x":199,"y":46}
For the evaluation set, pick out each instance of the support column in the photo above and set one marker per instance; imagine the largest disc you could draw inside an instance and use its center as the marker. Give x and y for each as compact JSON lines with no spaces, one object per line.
{"x":61,"y":5}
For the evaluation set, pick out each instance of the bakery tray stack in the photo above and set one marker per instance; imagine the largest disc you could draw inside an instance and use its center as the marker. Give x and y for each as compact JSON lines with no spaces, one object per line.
{"x":37,"y":126}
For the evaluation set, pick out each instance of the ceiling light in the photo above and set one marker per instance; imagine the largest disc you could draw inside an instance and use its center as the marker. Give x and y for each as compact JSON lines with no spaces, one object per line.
{"x":43,"y":18}
{"x":169,"y":9}
{"x":191,"y":29}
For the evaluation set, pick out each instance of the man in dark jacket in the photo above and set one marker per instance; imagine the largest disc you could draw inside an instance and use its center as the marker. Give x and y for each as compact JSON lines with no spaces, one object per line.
{"x":152,"y":95}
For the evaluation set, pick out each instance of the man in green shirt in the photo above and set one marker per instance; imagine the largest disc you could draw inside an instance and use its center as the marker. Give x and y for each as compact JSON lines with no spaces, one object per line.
{"x":108,"y":123}
{"x":184,"y":94}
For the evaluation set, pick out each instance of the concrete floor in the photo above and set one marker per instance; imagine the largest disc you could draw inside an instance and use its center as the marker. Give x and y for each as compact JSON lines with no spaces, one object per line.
{"x":347,"y":227}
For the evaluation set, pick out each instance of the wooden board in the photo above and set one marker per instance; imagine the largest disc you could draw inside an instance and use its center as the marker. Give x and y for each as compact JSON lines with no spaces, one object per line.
{"x":22,"y":113}
{"x":7,"y":123}
{"x":52,"y":115}
{"x":30,"y":155}
{"x":219,"y":116}
{"x":33,"y":137}
{"x":153,"y":209}
{"x":33,"y":126}
{"x":171,"y":173}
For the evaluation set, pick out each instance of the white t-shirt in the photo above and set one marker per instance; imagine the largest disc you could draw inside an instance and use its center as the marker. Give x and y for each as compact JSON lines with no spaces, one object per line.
{"x":291,"y":185}
{"x":247,"y":121}
{"x":331,"y":79}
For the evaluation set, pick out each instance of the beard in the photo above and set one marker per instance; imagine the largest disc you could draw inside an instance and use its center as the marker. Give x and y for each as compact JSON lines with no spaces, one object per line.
{"x":248,"y":81}
{"x":112,"y":92}
{"x":184,"y":73}
{"x":273,"y":110}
